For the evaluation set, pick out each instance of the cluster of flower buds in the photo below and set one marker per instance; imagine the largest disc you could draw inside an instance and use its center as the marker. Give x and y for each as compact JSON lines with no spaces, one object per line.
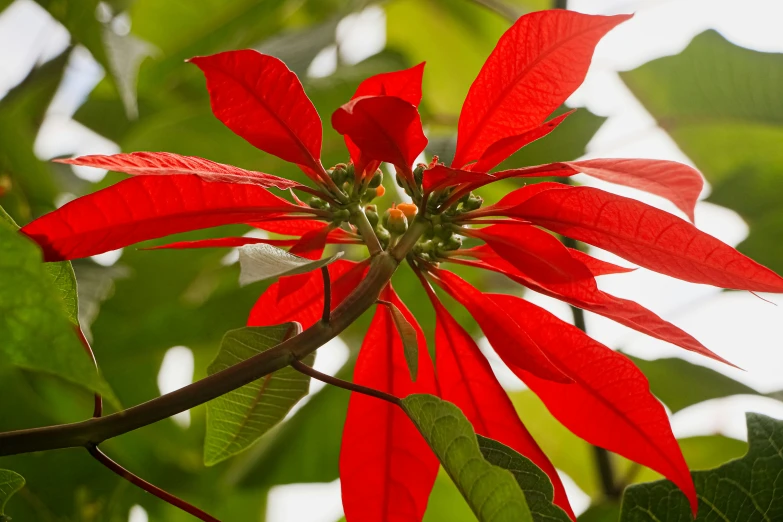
{"x":344,"y":179}
{"x":393,"y":223}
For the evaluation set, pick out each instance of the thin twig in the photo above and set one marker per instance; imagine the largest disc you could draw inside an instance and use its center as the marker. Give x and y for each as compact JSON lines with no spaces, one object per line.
{"x":326,"y":317}
{"x":97,"y":410}
{"x":334,"y":381}
{"x":149,"y":488}
{"x":508,"y":12}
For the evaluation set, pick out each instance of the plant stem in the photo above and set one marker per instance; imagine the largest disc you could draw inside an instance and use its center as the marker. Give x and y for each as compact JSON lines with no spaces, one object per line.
{"x":149,"y":488}
{"x":96,"y":430}
{"x":334,"y":381}
{"x":359,"y":220}
{"x":326,"y":316}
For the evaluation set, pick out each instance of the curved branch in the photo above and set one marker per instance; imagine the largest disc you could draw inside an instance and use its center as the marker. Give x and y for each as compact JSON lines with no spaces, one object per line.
{"x":96,"y":430}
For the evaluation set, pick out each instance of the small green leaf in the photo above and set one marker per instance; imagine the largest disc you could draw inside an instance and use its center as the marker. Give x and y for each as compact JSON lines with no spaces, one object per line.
{"x":492,"y":492}
{"x":10,"y":483}
{"x":261,"y":261}
{"x":536,"y":486}
{"x":238,"y":419}
{"x":746,"y":489}
{"x":679,"y":384}
{"x":35,"y":333}
{"x":410,"y":341}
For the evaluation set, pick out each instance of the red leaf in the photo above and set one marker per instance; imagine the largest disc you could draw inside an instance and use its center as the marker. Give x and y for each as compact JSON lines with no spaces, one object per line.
{"x":384,"y":128}
{"x":148,"y":207}
{"x":515,"y":197}
{"x":440,"y":177}
{"x":537,"y":254}
{"x":598,"y":267}
{"x":261,"y":100}
{"x":405,"y":84}
{"x":646,"y":236}
{"x":386,"y":468}
{"x":223,"y":242}
{"x":534,"y":68}
{"x":166,"y":164}
{"x":500,"y":150}
{"x":674,"y":181}
{"x":609,"y":403}
{"x":503,"y":333}
{"x":466,"y":379}
{"x":306,"y":306}
{"x":584,"y":294}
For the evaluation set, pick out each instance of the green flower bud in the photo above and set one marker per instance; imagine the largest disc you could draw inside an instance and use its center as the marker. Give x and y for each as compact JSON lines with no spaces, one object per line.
{"x":371,"y":211}
{"x":452,"y":243}
{"x":377,"y":179}
{"x":473,"y":202}
{"x":395,"y":221}
{"x":383,"y":235}
{"x":339,"y":174}
{"x":317,"y":202}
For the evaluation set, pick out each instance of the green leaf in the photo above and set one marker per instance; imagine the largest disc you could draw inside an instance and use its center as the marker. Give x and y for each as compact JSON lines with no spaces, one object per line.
{"x":410,"y":341}
{"x":10,"y":483}
{"x":679,"y":384}
{"x":238,"y":419}
{"x":536,"y":486}
{"x":35,"y":332}
{"x":721,"y":103}
{"x":746,"y":489}
{"x":492,"y":492}
{"x":262,"y":261}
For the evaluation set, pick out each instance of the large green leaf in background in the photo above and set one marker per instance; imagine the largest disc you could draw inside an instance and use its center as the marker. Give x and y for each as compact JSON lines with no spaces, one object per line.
{"x":491,"y":491}
{"x":747,"y":489}
{"x":238,"y":419}
{"x":35,"y":332}
{"x":722,"y":104}
{"x":10,"y":483}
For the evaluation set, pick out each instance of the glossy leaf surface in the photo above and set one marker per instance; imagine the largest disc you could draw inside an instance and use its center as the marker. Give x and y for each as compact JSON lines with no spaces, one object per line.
{"x":491,"y":491}
{"x":261,"y":100}
{"x":147,"y":207}
{"x":168,"y":164}
{"x":238,"y":419}
{"x":526,"y":78}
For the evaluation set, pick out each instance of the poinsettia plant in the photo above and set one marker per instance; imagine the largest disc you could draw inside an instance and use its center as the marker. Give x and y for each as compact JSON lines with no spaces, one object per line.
{"x":387,"y":462}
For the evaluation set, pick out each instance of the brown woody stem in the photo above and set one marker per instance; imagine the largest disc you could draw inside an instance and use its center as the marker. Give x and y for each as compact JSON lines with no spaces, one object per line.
{"x":334,"y":381}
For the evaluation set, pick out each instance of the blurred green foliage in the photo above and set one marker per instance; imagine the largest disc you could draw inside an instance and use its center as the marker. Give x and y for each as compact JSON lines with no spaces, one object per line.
{"x":721,"y":103}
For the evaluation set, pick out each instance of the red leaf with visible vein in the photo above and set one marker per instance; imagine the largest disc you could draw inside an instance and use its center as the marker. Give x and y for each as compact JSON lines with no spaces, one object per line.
{"x":646,"y":236}
{"x":583,"y":294}
{"x":261,"y":100}
{"x":147,"y":207}
{"x":537,"y":254}
{"x":598,"y":267}
{"x":405,"y":84}
{"x":166,"y":164}
{"x":466,"y":379}
{"x":609,"y":403}
{"x":386,"y":468}
{"x":534,"y":68}
{"x":671,"y":180}
{"x":306,"y":307}
{"x":500,"y":150}
{"x":384,"y":128}
{"x":234,"y":242}
{"x":440,"y":177}
{"x":503,"y":333}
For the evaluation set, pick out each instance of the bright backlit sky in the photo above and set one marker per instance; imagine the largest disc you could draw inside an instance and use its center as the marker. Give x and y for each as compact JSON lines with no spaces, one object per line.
{"x":739,"y":326}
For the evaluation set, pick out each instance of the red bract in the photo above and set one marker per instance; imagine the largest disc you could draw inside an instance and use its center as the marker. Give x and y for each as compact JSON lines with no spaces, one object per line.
{"x":387,"y":470}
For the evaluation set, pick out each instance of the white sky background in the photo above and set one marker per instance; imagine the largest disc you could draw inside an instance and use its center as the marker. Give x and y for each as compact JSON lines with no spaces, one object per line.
{"x":737,"y":325}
